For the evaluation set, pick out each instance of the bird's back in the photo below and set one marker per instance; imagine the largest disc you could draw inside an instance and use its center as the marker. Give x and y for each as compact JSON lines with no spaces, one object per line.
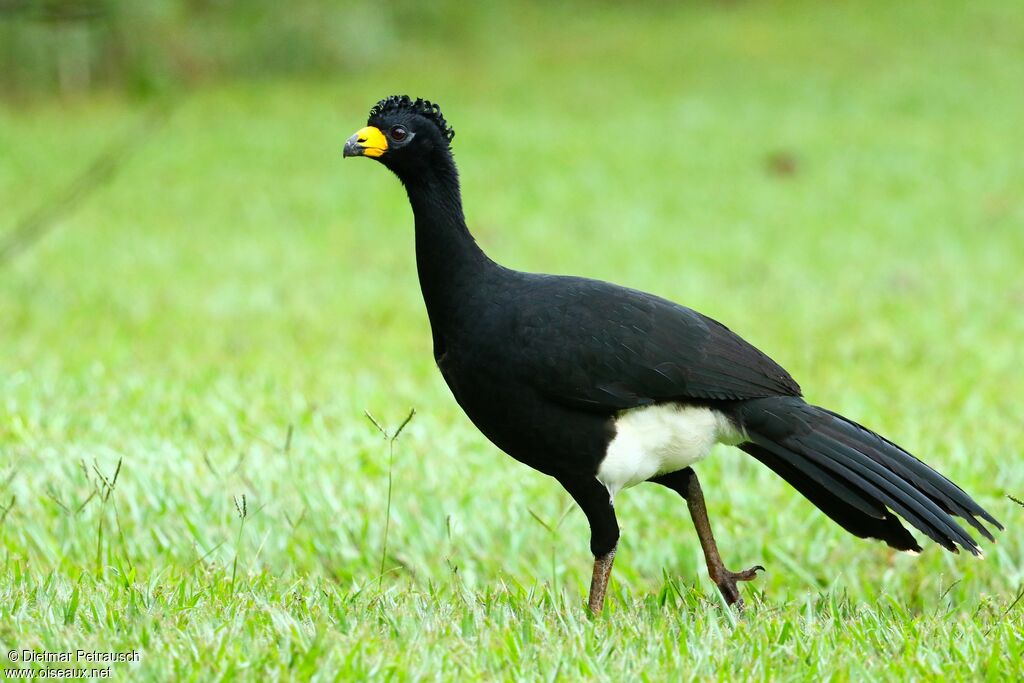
{"x":600,"y":346}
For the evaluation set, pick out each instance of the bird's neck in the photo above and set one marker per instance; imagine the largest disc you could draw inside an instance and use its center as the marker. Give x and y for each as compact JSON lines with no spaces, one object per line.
{"x":448,"y":259}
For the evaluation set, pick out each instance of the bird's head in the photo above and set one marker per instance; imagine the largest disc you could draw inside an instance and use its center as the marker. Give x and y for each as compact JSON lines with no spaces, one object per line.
{"x":405,"y":135}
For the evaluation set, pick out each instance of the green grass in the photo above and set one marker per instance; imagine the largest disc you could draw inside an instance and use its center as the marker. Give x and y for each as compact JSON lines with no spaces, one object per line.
{"x":218,"y":319}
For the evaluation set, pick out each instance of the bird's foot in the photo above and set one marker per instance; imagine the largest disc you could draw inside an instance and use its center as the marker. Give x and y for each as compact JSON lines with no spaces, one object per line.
{"x":726,"y":582}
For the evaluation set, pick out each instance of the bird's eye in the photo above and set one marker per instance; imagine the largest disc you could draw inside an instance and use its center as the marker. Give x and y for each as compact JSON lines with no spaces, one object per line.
{"x":398,"y":133}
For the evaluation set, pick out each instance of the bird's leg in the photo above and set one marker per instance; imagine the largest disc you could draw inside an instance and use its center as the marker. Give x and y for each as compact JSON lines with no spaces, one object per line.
{"x":599,"y":581}
{"x":723,"y":578}
{"x":685,"y":483}
{"x":596,"y":503}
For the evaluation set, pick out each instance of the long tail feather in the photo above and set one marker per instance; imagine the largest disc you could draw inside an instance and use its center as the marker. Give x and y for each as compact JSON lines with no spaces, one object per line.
{"x":858,"y":478}
{"x":804,"y":477}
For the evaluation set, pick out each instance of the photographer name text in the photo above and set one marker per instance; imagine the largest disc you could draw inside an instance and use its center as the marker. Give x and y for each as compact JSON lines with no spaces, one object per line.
{"x":72,"y":656}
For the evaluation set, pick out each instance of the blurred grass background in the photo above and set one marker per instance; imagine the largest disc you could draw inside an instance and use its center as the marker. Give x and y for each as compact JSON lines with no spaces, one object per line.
{"x":841,"y":183}
{"x":142,"y":46}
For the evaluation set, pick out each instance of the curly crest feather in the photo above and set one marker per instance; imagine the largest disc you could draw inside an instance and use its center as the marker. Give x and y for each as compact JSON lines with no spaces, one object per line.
{"x":424,"y":108}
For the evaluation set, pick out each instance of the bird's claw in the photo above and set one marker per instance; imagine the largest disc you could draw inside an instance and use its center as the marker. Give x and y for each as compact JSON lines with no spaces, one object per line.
{"x":726,"y":581}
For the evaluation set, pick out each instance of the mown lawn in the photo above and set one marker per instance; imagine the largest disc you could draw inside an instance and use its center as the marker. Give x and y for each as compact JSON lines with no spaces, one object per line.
{"x":841,"y":184}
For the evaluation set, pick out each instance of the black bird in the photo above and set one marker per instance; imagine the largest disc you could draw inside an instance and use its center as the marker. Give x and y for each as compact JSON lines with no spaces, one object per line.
{"x":604,"y":387}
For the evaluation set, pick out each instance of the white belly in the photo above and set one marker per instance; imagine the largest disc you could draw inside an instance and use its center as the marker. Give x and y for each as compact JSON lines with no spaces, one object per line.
{"x":660,"y":439}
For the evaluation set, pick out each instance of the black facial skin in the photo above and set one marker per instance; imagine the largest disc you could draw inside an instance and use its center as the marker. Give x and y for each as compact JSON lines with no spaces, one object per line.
{"x":422,"y":147}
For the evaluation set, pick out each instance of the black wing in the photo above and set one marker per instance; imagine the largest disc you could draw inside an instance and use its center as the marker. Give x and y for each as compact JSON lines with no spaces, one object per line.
{"x":598,"y":346}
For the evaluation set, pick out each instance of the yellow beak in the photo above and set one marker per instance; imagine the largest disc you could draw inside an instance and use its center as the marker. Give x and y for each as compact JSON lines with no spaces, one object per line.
{"x":367,"y":142}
